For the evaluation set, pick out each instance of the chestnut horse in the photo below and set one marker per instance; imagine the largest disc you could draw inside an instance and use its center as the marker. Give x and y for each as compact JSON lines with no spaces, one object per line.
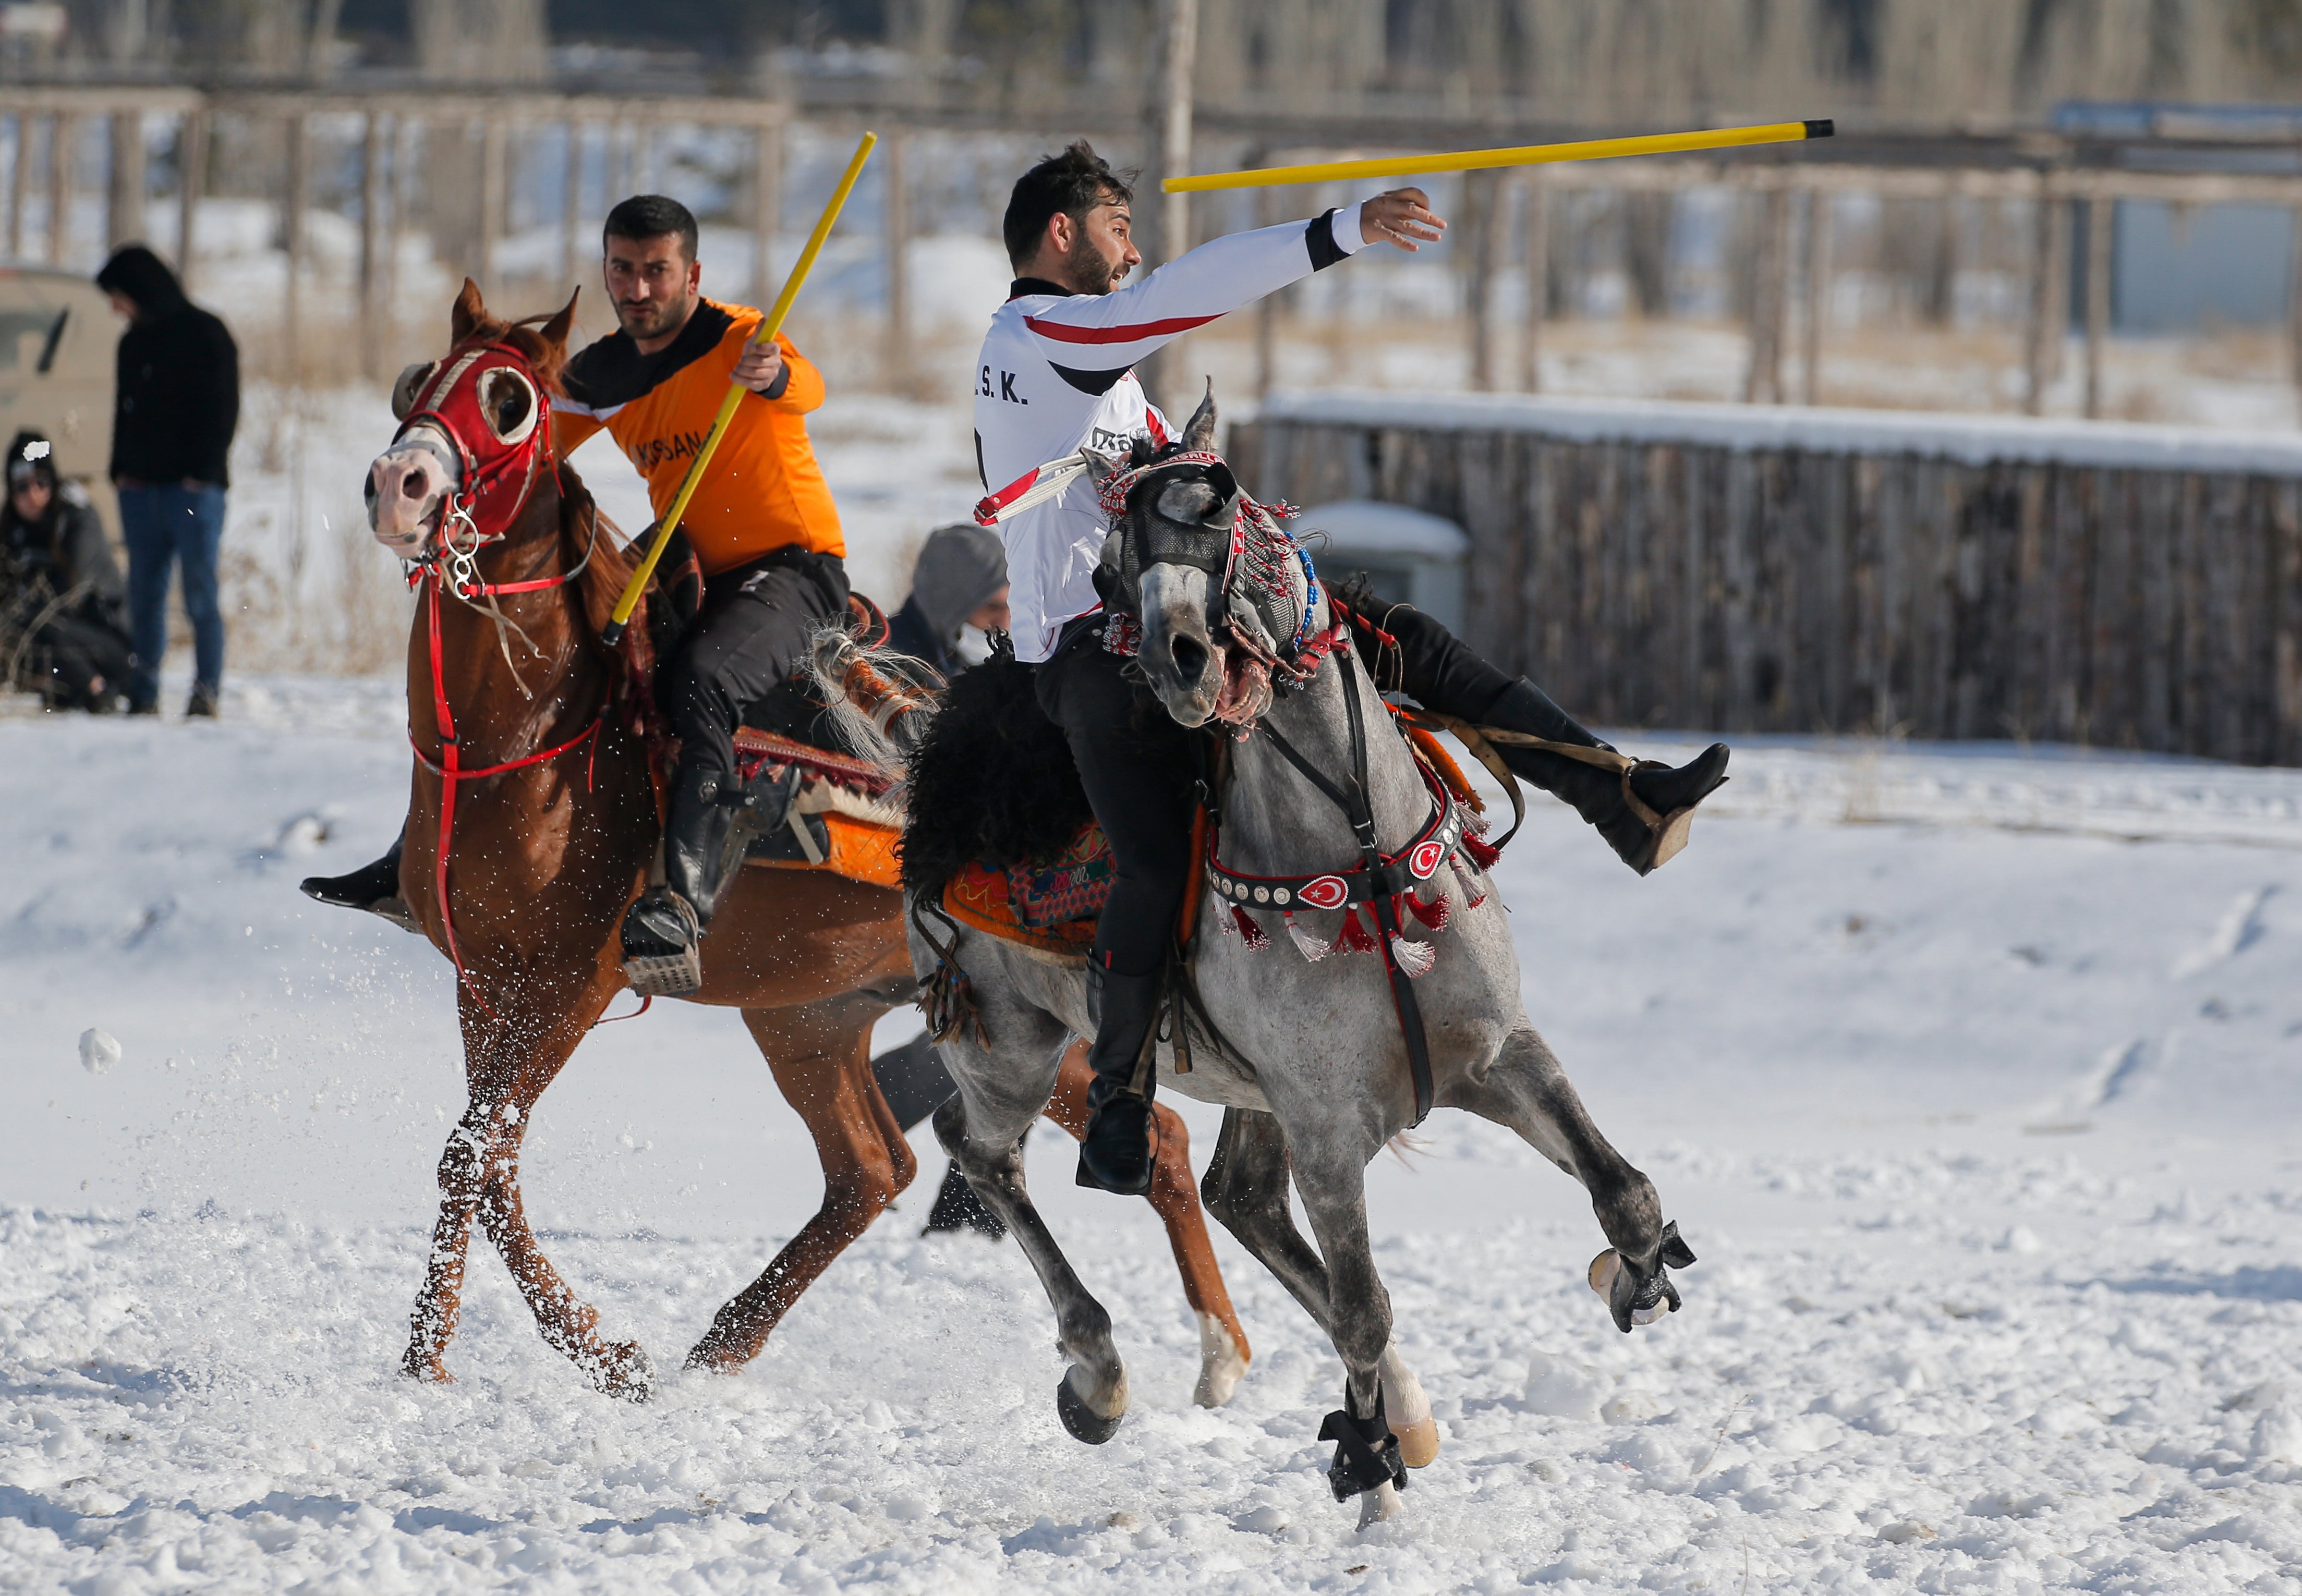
{"x":532,"y":824}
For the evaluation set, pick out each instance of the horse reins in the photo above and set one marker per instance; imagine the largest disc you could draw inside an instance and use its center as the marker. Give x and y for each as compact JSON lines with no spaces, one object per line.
{"x":452,"y":568}
{"x":1376,"y":881}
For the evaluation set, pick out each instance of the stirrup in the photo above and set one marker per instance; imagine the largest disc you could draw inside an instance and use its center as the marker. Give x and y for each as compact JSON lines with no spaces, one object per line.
{"x":1668,"y":831}
{"x":656,"y":970}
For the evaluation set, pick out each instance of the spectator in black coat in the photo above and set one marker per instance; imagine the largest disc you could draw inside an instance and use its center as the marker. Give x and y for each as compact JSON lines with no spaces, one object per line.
{"x":177,"y":405}
{"x":959,"y":585}
{"x":60,"y":590}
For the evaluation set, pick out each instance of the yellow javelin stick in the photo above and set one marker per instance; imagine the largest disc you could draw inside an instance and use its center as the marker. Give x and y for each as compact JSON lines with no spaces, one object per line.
{"x":1526,"y":154}
{"x":613,"y":632}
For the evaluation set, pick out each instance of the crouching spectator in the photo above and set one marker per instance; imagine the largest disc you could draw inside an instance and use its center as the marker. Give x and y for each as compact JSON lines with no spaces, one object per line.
{"x":60,"y":590}
{"x":177,"y":405}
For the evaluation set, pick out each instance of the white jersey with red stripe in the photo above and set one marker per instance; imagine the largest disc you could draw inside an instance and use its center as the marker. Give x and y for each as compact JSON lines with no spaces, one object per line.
{"x":1056,"y":374}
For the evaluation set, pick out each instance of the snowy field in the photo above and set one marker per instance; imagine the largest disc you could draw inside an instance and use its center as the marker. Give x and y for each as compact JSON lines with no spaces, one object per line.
{"x":1969,"y":1073}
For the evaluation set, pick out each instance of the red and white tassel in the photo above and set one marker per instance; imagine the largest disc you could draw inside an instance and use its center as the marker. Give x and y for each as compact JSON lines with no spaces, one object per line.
{"x":1353,"y":938}
{"x":1471,"y":896}
{"x":1438,"y":916}
{"x":1482,"y":853}
{"x":1312,"y":949}
{"x":1257,"y":938}
{"x":1416,"y":958}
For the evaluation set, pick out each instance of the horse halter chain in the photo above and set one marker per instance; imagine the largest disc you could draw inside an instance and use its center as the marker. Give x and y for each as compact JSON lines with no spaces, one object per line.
{"x":457,"y":390}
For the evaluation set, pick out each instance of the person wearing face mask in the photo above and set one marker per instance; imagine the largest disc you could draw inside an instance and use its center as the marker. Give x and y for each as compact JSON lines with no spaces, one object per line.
{"x":959,"y":597}
{"x":59,"y":582}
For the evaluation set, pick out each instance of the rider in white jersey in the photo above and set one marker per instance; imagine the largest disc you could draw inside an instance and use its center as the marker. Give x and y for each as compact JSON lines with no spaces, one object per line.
{"x":1056,"y":375}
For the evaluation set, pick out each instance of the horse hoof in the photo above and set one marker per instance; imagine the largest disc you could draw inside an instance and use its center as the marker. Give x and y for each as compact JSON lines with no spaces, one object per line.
{"x":1222,"y":1360}
{"x":1083,"y":1422}
{"x":1381,"y":1503}
{"x":430,"y":1370}
{"x":626,"y":1372}
{"x":1408,"y":1411}
{"x":1419,"y":1442}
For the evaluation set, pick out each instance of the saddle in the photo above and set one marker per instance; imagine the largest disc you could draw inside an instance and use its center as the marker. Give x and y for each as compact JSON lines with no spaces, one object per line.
{"x":807,"y":805}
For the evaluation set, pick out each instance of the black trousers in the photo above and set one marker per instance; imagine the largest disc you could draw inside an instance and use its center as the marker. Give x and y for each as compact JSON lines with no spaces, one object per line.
{"x":78,"y":651}
{"x":753,"y":631}
{"x":1138,"y":767}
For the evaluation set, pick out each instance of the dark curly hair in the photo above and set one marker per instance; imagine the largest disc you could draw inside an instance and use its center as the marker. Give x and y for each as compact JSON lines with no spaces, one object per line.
{"x":1070,"y":184}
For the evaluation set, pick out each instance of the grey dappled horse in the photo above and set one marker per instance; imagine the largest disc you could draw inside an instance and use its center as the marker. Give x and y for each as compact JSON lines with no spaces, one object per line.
{"x":1309,"y":1060}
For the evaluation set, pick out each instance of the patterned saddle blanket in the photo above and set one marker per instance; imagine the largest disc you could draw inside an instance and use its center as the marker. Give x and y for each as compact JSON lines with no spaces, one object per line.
{"x":838,"y":818}
{"x":1049,"y":907}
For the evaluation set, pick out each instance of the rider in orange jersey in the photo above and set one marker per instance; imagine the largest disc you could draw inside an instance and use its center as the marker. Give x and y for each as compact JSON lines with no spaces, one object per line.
{"x":762,"y":525}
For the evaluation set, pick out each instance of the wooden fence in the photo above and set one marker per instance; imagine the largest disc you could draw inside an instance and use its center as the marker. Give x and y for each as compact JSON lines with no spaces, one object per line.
{"x":1810,"y":570}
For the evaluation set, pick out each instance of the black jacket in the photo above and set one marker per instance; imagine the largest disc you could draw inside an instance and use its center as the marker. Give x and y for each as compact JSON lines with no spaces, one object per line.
{"x":178,"y":399}
{"x":62,"y":549}
{"x":908,"y":633}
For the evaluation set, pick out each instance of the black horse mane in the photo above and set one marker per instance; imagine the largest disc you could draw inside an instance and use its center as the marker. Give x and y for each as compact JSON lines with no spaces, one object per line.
{"x":991,"y":780}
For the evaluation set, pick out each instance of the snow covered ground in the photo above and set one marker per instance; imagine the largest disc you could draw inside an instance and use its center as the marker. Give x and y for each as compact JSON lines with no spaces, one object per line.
{"x":1971,"y":1073}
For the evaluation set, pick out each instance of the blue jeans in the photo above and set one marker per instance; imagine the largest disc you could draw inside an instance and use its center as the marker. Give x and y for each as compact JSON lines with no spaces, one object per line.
{"x":163,"y":525}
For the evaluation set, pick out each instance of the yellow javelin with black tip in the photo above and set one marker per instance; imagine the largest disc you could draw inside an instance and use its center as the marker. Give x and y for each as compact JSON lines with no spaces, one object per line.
{"x":612,"y":633}
{"x":1526,"y":154}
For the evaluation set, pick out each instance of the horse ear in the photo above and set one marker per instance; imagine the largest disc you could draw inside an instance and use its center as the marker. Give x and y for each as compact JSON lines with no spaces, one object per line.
{"x":1100,"y":467}
{"x":466,"y":312}
{"x":555,"y":331}
{"x":1199,"y":432}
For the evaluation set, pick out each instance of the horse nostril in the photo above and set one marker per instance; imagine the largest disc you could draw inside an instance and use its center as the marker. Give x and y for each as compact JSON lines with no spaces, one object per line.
{"x":1191,"y":658}
{"x":413,"y":486}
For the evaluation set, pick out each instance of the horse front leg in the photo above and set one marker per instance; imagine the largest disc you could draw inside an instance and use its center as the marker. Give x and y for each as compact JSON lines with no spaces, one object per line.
{"x":1247,"y":1188}
{"x":821,"y":1054}
{"x":439,"y":1303}
{"x":1223,"y":1351}
{"x":1527,"y":1090}
{"x":512,"y":1063}
{"x":1331,"y":1176}
{"x":982,"y":1128}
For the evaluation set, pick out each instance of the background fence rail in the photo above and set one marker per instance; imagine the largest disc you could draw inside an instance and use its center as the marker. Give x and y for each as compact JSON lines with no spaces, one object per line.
{"x":2135,"y":587}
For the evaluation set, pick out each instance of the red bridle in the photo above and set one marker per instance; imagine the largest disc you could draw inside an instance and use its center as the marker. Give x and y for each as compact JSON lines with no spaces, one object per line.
{"x":498,"y":474}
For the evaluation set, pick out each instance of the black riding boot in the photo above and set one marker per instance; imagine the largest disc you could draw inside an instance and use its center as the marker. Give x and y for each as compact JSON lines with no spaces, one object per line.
{"x":1595,"y":792}
{"x":663,"y":932}
{"x":1433,"y":666}
{"x":374,"y":887}
{"x":1116,"y":1152}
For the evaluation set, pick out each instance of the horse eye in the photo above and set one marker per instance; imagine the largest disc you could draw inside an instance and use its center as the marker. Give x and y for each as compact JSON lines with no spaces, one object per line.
{"x":509,"y":403}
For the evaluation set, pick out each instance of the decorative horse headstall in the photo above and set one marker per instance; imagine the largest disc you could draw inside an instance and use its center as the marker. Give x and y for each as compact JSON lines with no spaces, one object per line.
{"x":1240,"y":545}
{"x":485,"y":402}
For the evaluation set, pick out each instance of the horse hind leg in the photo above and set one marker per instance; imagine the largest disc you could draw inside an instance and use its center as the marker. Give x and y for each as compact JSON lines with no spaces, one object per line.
{"x":1223,"y":1351}
{"x":984,"y":1141}
{"x":821,"y":1054}
{"x":1246,"y":1187}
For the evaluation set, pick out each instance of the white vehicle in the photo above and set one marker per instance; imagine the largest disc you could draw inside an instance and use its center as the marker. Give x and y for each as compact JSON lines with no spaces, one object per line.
{"x":58,"y":333}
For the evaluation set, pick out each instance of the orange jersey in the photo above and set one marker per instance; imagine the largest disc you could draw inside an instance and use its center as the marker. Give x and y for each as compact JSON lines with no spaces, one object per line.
{"x":763,"y":490}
